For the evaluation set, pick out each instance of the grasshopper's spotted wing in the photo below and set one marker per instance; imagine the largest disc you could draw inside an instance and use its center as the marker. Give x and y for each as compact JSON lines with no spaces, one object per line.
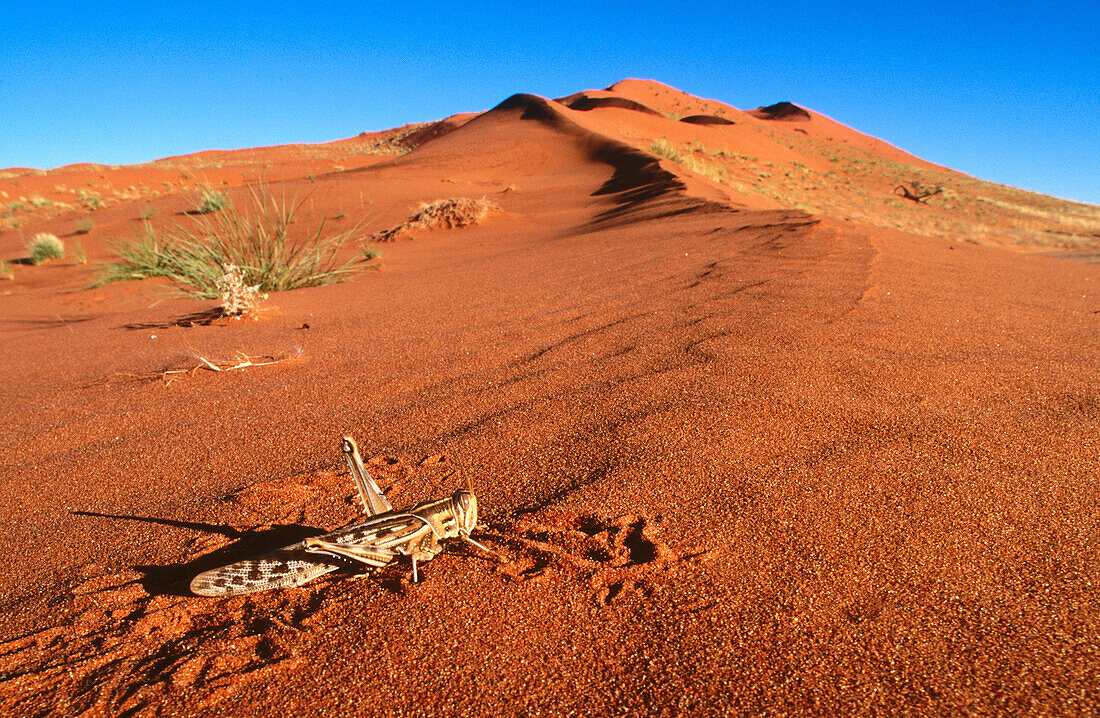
{"x":373,"y":543}
{"x":290,"y":566}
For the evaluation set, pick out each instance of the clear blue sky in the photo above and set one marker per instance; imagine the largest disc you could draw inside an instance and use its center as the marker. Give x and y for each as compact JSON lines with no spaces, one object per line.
{"x":1007,"y":91}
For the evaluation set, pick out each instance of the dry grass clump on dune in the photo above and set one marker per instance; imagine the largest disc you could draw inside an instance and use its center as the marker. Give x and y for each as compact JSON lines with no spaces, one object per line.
{"x":442,"y":214}
{"x":78,"y":253}
{"x":44,"y":247}
{"x":663,"y":148}
{"x":211,"y":201}
{"x":256,"y":241}
{"x":453,"y":212}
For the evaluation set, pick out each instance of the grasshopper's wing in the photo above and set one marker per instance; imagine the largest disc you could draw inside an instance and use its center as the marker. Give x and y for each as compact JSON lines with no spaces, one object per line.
{"x":384,"y":534}
{"x":374,"y":543}
{"x":290,"y":566}
{"x":374,"y":501}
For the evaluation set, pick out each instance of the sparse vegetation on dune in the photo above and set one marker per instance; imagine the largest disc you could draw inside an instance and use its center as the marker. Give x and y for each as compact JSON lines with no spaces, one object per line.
{"x":663,"y":148}
{"x":861,"y":185}
{"x":258,"y":240}
{"x":706,"y":169}
{"x":83,"y":226}
{"x":7,"y":270}
{"x":44,"y":247}
{"x":90,"y":199}
{"x":398,"y":143}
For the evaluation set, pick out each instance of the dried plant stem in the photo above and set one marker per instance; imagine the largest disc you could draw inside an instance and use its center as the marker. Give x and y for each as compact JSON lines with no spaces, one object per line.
{"x":239,"y":362}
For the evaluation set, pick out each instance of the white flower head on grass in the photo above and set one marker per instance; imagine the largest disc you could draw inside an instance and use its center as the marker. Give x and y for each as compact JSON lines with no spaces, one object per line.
{"x":238,"y":298}
{"x":44,"y":247}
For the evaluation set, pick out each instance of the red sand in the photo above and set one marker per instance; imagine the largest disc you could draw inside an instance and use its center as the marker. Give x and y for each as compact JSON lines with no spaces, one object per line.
{"x":741,"y":459}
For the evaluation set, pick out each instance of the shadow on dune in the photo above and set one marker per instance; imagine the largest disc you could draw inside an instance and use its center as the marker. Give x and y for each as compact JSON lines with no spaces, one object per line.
{"x":204,"y":318}
{"x":707,"y":120}
{"x":585,"y":103}
{"x":784,"y":111}
{"x":173,"y":579}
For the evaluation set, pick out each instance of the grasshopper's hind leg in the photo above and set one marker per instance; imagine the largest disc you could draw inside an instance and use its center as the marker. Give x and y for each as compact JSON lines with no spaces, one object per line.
{"x":372,"y":556}
{"x":374,"y":501}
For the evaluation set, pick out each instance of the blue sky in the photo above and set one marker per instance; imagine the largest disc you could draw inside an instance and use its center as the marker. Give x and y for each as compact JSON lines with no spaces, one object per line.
{"x":1006,"y":91}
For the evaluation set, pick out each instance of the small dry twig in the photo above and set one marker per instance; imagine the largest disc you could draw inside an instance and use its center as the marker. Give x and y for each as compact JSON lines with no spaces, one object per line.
{"x":239,"y":362}
{"x":917,"y":192}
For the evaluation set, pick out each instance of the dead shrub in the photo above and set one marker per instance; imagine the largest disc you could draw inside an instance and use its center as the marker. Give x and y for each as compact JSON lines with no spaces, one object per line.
{"x":442,"y":214}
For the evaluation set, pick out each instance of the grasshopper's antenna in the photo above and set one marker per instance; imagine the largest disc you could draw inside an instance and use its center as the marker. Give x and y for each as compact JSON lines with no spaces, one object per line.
{"x":465,"y":535}
{"x":460,"y":468}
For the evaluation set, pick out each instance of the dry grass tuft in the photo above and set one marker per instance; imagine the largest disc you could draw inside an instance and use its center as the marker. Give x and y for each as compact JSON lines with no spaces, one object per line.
{"x":663,"y":148}
{"x":454,"y":212}
{"x":260,"y":240}
{"x":211,"y":201}
{"x":44,"y":247}
{"x":79,"y":255}
{"x":442,"y":214}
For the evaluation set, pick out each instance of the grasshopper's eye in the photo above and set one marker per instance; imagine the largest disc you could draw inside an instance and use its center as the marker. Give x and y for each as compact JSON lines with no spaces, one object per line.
{"x":466,"y":505}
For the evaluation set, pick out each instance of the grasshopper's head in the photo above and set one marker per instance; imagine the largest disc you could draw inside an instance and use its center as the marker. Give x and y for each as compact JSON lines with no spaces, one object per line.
{"x":464,"y":505}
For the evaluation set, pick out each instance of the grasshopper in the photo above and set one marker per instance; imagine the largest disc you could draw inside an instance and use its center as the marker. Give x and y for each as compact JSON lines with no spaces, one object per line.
{"x":416,"y":532}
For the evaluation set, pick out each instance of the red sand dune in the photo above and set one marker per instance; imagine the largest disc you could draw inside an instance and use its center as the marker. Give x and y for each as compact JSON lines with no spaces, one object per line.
{"x":739,"y":457}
